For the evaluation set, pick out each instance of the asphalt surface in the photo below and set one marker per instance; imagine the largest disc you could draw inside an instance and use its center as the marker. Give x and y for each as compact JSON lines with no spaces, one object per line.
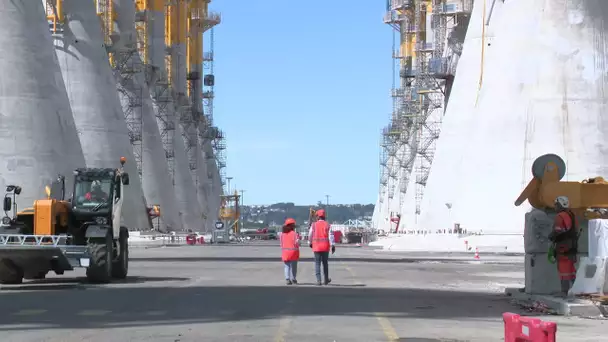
{"x":237,"y":293}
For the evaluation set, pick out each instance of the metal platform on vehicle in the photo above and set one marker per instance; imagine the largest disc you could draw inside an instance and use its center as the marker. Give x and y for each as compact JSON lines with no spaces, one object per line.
{"x":39,"y":248}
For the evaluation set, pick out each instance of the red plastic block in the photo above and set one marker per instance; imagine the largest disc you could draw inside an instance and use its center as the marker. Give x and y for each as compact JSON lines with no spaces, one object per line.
{"x":526,"y":329}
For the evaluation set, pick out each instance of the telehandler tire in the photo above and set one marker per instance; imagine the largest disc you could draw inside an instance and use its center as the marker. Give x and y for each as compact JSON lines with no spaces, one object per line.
{"x":100,"y":267}
{"x":35,"y":276}
{"x":120,"y":266}
{"x":10,"y":273}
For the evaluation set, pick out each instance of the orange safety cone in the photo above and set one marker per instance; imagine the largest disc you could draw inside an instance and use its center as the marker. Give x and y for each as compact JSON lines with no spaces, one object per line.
{"x":476,"y":253}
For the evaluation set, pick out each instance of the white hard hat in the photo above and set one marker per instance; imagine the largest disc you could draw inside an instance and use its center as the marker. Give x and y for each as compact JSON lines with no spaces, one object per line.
{"x":563,"y":201}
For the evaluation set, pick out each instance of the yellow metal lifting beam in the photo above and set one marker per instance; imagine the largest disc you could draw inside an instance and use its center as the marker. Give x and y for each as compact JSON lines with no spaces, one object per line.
{"x":546,"y":185}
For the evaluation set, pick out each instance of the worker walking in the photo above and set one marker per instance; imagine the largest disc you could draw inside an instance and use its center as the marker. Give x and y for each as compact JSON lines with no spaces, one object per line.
{"x":321,"y":241}
{"x":290,"y":250}
{"x":565,"y":236}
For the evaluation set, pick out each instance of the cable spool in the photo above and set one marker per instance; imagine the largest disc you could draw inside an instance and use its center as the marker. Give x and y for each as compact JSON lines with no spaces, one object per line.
{"x":539,"y":165}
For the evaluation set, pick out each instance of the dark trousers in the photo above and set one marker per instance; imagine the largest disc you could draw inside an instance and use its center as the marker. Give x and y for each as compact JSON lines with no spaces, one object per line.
{"x":321,"y":257}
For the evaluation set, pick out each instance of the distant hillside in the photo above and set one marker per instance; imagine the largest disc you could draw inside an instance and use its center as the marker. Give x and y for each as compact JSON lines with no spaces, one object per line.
{"x":275,"y":214}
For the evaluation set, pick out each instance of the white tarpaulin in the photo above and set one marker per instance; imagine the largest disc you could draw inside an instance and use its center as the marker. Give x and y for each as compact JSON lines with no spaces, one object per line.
{"x":590,"y":277}
{"x":598,"y":239}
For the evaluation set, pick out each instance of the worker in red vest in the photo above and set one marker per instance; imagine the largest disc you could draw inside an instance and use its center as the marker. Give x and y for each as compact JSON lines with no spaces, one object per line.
{"x":321,"y":241}
{"x":290,"y":250}
{"x":565,"y":236}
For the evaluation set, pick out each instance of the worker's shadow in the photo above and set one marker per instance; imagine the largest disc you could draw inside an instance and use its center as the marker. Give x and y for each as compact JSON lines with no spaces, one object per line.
{"x":330,"y":285}
{"x":81,"y":283}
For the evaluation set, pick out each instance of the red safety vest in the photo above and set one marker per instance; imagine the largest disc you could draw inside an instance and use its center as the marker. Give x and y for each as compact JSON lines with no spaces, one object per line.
{"x":320,"y":237}
{"x":566,"y":224}
{"x":290,"y":249}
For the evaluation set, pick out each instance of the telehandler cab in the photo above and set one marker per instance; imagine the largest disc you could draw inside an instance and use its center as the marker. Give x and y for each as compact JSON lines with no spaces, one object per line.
{"x":59,"y":235}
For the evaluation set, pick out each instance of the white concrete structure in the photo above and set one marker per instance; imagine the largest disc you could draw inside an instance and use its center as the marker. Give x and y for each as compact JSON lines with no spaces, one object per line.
{"x":190,"y":209}
{"x":429,"y":47}
{"x":203,"y":185}
{"x":390,"y":202}
{"x":460,"y":120}
{"x":156,"y":181}
{"x":376,"y":213}
{"x":453,"y":243}
{"x":98,"y":115}
{"x":199,"y":174}
{"x":543,"y":92}
{"x":215,"y":188}
{"x":168,"y":121}
{"x":395,"y":202}
{"x":38,"y":134}
{"x":407,"y":209}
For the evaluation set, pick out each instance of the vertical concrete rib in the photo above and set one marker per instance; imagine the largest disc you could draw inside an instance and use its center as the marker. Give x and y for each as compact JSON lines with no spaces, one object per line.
{"x":213,"y":183}
{"x":186,"y":195}
{"x":131,"y":79}
{"x":37,"y":130}
{"x":91,"y":89}
{"x":197,"y":20}
{"x":199,"y":175}
{"x":178,"y":20}
{"x":444,"y":182}
{"x":167,"y":120}
{"x":217,"y":190}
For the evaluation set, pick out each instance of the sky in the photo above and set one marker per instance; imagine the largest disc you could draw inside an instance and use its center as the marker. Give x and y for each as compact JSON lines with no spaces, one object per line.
{"x":302,"y":91}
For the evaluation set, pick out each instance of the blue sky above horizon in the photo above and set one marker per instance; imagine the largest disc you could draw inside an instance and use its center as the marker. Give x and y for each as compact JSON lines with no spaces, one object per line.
{"x":302,"y":92}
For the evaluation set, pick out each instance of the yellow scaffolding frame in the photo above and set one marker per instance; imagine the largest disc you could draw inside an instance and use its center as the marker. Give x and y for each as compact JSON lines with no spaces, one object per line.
{"x":230,"y":211}
{"x":54,"y":12}
{"x":175,"y":30}
{"x":107,"y":16}
{"x":197,"y":11}
{"x":141,"y":29}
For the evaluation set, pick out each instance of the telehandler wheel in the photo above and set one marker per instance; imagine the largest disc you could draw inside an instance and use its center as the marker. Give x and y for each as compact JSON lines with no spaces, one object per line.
{"x":120,"y":266}
{"x":100,"y":267}
{"x":10,"y":273}
{"x":35,"y":276}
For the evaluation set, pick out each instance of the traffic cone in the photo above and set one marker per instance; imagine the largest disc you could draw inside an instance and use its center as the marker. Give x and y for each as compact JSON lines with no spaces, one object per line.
{"x":476,"y":253}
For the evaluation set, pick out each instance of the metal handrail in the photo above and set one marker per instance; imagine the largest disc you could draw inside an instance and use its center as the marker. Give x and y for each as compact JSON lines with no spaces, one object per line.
{"x":32,"y":240}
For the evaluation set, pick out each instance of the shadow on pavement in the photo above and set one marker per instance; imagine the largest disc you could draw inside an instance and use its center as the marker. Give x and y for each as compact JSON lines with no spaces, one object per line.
{"x":275,"y":243}
{"x":333,"y":285}
{"x":70,"y":283}
{"x":278,"y":258}
{"x":144,"y":306}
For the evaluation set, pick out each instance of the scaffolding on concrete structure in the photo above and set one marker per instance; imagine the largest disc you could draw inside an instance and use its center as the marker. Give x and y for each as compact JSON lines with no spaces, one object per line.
{"x":216,"y":136}
{"x":402,"y":125}
{"x":434,"y":77}
{"x":126,"y":67}
{"x":207,"y":132}
{"x":126,"y":39}
{"x":156,"y":79}
{"x":426,"y":72}
{"x":200,"y":20}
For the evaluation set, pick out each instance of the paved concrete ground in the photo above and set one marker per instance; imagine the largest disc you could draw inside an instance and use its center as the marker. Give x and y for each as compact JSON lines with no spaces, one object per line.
{"x":237,"y":293}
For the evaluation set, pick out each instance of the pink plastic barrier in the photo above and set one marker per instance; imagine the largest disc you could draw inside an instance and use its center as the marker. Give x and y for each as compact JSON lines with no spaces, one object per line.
{"x":525,"y":329}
